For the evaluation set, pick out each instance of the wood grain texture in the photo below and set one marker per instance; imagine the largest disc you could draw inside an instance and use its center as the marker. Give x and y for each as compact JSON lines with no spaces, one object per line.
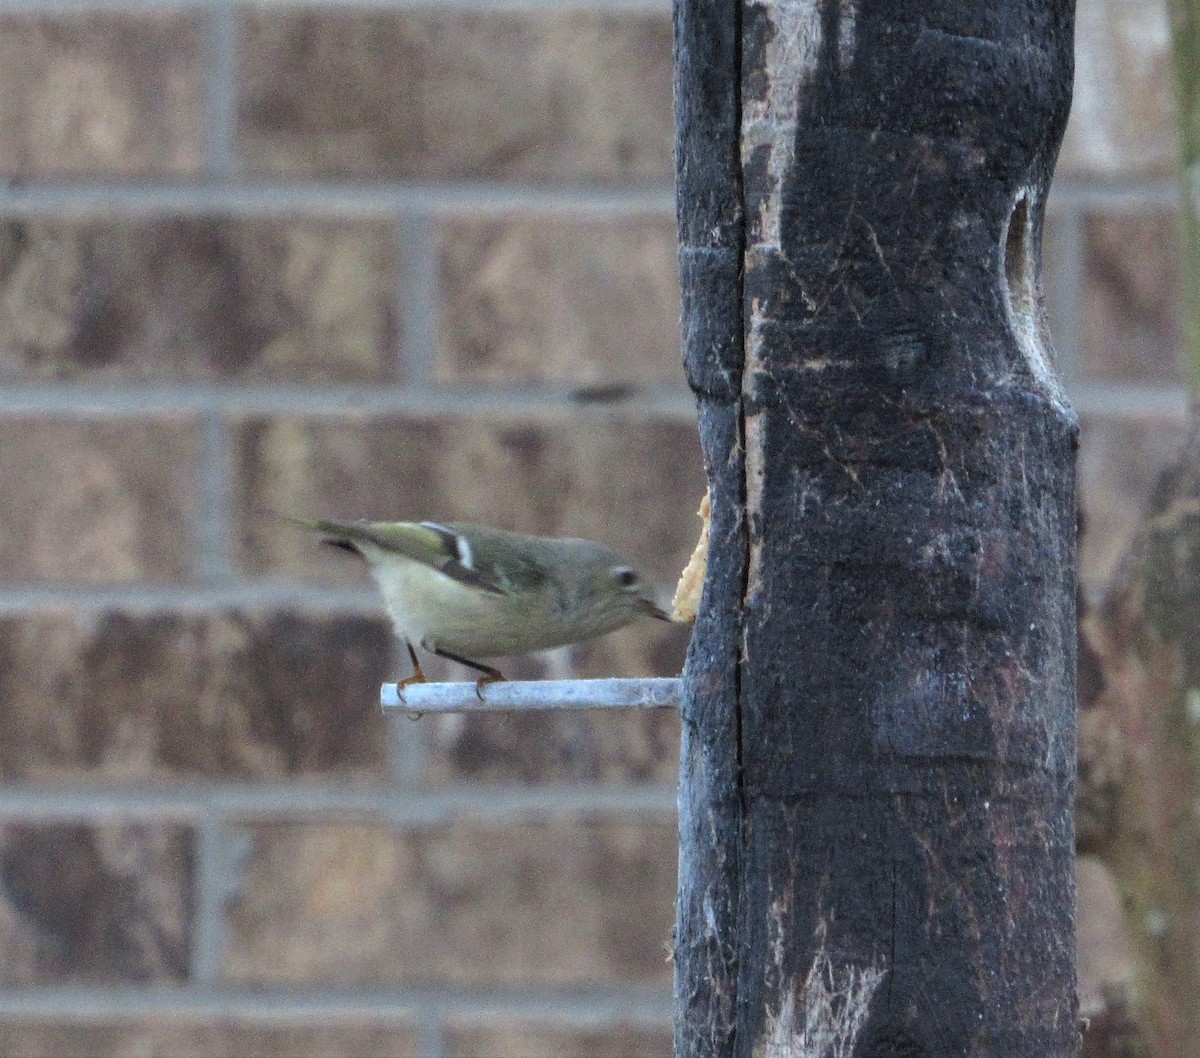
{"x":878,"y":719}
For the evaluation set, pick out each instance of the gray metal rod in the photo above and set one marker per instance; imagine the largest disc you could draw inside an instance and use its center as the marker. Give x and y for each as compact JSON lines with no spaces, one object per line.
{"x":524,"y":695}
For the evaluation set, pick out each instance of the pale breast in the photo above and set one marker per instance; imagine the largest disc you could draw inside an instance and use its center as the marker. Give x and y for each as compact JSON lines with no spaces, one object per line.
{"x":420,"y":599}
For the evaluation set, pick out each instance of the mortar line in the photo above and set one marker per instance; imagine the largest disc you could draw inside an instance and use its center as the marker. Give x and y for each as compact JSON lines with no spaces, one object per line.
{"x":431,"y":1032}
{"x":211,"y":884}
{"x":255,"y":802}
{"x":1157,"y":404}
{"x":358,"y":199}
{"x":145,"y":400}
{"x":597,"y":1006}
{"x":73,"y":6}
{"x":481,"y":6}
{"x":250,"y":595}
{"x":222,"y":88}
{"x":1119,"y":193}
{"x":213,"y":519}
{"x":417,"y":298}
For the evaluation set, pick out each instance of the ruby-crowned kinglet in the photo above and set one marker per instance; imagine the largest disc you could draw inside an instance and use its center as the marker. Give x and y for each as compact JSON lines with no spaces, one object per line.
{"x":463,"y":591}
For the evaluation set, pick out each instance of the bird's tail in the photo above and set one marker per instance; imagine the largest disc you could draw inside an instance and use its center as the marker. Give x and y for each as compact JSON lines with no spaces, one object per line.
{"x":336,"y":534}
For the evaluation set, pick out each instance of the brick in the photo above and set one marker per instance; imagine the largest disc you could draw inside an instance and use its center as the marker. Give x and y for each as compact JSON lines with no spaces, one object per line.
{"x":1131,"y":297}
{"x":515,"y":1039}
{"x":631,"y":482}
{"x":102,"y":94}
{"x":535,"y":299}
{"x":453,"y":94}
{"x":94,"y":501}
{"x":104,"y":904}
{"x":620,"y":746}
{"x":1122,"y":114}
{"x":180,"y":1038}
{"x":212,"y":298}
{"x":1119,"y":465}
{"x":162,"y":695}
{"x":557,"y":904}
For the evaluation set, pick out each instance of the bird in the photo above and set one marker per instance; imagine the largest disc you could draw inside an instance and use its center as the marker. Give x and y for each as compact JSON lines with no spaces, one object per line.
{"x":464,"y":591}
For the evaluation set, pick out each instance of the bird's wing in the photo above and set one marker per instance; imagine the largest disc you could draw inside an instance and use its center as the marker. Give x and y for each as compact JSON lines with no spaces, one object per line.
{"x":513,"y":561}
{"x":465,"y":553}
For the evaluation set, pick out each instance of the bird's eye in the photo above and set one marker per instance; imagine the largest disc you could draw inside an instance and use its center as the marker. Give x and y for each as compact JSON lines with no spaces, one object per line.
{"x":625,"y":577}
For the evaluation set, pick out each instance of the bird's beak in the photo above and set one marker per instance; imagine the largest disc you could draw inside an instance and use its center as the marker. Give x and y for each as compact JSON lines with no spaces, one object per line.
{"x":656,"y":611}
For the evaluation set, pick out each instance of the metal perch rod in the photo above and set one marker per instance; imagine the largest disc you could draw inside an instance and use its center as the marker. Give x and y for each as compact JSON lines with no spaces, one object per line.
{"x":524,"y":695}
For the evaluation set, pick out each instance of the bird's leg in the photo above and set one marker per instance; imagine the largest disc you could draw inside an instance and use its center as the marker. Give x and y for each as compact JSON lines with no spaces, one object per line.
{"x":418,"y":675}
{"x":490,"y":675}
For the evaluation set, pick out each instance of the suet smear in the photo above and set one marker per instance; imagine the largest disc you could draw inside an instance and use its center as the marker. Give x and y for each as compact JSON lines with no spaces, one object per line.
{"x":686,"y":604}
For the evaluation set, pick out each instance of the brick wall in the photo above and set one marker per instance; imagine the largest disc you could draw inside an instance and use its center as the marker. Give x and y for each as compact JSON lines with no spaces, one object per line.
{"x":376,"y":260}
{"x":1112,"y":263}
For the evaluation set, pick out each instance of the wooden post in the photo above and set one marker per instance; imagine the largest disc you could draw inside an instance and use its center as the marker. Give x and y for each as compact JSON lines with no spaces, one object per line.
{"x":878,"y":707}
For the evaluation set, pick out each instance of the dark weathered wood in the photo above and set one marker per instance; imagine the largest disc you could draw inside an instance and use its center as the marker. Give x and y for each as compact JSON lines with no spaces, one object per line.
{"x":708,"y":181}
{"x":878,"y":754}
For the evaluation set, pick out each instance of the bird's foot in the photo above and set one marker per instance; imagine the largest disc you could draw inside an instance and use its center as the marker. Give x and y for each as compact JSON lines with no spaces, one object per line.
{"x":418,"y":676}
{"x":493,"y":676}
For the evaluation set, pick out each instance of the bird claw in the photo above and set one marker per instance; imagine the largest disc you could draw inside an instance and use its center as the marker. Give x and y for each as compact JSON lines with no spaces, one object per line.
{"x":417,"y":677}
{"x":484,"y":680}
